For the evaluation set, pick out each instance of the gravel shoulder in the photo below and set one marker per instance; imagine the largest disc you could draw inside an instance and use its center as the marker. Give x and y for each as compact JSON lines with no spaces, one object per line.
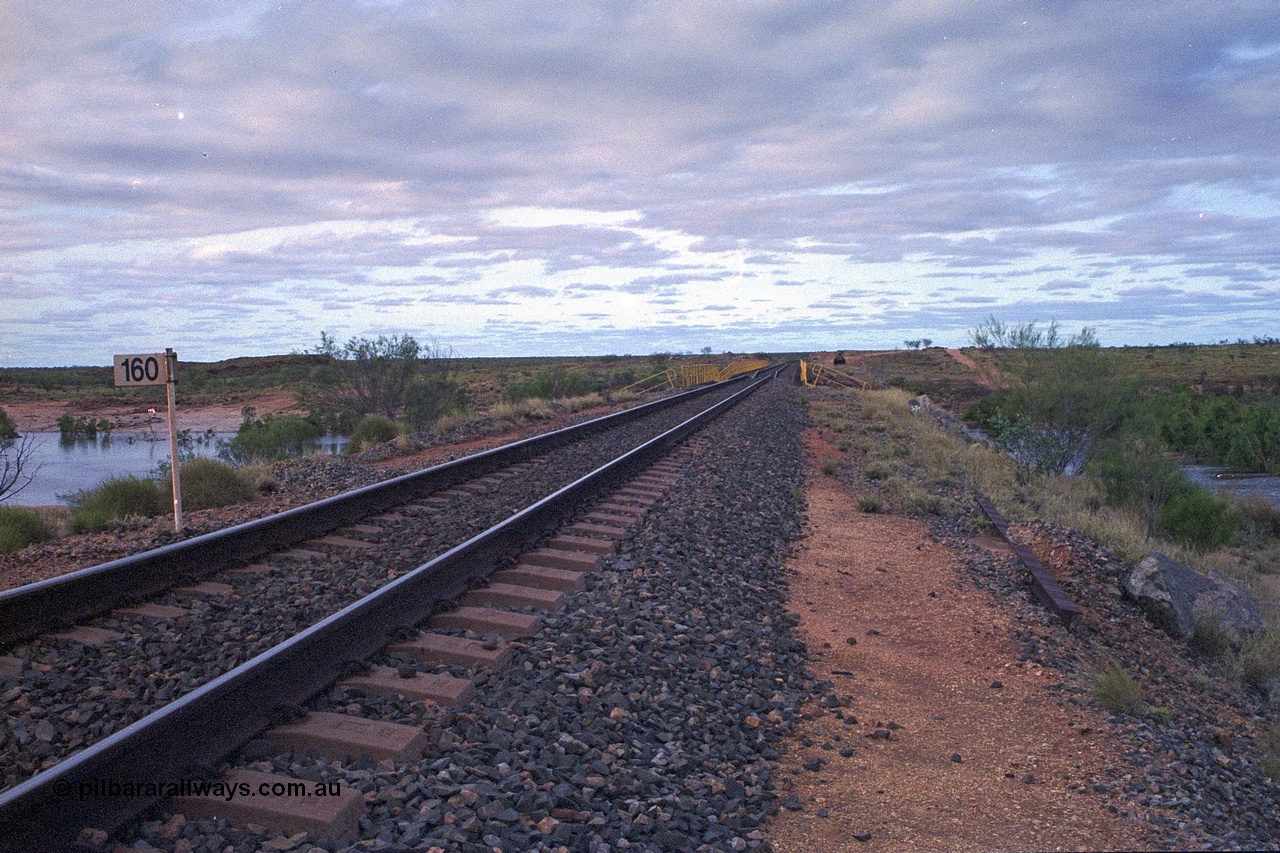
{"x":915,"y":653}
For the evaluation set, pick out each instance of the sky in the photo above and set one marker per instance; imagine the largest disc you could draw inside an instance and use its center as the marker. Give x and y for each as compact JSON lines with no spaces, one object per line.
{"x":570,"y":178}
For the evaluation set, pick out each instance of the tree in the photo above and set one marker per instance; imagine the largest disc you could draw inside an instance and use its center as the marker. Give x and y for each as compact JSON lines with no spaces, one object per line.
{"x":16,"y":468}
{"x":1135,"y":473}
{"x":383,"y":376}
{"x":1057,"y":395}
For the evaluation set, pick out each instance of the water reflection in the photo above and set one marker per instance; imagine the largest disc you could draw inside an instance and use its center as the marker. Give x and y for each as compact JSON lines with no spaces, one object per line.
{"x":68,"y":466}
{"x":1226,"y":482}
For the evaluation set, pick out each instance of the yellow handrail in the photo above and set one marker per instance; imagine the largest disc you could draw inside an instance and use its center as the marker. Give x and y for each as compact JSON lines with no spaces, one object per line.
{"x":667,"y":376}
{"x":811,"y":375}
{"x":731,"y":370}
{"x":695,"y":374}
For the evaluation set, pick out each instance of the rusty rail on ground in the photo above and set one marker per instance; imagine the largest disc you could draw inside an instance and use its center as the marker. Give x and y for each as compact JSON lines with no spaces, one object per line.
{"x":1046,"y":589}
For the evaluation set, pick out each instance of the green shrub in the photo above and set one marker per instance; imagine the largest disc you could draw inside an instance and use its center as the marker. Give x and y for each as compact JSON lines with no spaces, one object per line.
{"x":73,"y":428}
{"x":830,"y":467}
{"x":269,"y":438}
{"x":208,"y":483}
{"x":1259,"y":664}
{"x":20,"y":527}
{"x":552,"y":384}
{"x":1118,"y":691}
{"x":116,"y":499}
{"x":1197,"y":519}
{"x":8,"y":429}
{"x":372,"y":430}
{"x":430,"y":399}
{"x":870,"y":503}
{"x":876,"y":471}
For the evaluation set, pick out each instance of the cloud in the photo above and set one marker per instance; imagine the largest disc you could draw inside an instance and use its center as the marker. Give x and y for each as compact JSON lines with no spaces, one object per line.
{"x":1059,"y":284}
{"x":313,"y":165}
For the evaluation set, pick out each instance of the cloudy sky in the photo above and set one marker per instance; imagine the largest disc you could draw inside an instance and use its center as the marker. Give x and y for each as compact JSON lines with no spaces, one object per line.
{"x":232,"y":177}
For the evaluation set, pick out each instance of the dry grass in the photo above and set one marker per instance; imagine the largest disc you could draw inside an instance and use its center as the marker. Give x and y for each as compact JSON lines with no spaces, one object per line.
{"x":504,"y":416}
{"x":1118,"y":691}
{"x":913,"y":458}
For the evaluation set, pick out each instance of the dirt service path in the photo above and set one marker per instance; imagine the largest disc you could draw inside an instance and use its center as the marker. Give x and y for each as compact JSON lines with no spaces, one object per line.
{"x":945,"y":740}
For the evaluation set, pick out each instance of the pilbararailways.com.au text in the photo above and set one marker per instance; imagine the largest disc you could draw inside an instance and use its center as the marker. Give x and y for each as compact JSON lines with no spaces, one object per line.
{"x":195,"y":788}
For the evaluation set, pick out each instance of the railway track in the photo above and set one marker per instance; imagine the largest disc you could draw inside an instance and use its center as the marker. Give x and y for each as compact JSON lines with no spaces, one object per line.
{"x":198,"y":724}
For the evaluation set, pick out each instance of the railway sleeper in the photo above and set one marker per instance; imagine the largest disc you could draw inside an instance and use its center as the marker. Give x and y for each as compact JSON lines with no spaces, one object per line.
{"x":343,"y":737}
{"x":337,"y":816}
{"x":539,"y":581}
{"x":204,"y":589}
{"x":437,"y":688}
{"x":444,"y":649}
{"x":149,"y":612}
{"x":343,"y":542}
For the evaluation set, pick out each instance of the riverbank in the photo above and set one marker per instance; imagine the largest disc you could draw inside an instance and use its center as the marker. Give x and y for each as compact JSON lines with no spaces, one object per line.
{"x":41,"y":416}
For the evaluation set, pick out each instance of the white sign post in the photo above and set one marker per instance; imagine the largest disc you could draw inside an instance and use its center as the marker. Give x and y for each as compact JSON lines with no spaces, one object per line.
{"x":159,"y":368}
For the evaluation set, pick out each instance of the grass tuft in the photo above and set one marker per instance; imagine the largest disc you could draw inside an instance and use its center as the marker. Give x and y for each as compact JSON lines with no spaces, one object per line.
{"x":372,"y":430}
{"x":208,"y":483}
{"x":20,"y":527}
{"x":1118,"y":691}
{"x":115,"y":500}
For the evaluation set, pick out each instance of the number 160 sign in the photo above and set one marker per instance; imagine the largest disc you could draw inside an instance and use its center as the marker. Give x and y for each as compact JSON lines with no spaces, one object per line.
{"x":145,"y":369}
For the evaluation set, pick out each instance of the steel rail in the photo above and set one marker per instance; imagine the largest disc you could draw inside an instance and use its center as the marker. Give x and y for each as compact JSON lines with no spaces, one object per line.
{"x":53,"y":604}
{"x":206,"y":725}
{"x":1043,"y":584}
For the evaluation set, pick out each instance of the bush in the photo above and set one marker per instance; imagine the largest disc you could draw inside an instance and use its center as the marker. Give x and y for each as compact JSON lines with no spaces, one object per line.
{"x":1259,"y":664}
{"x":1118,"y":691}
{"x":1197,"y":519}
{"x":869,"y":504}
{"x":20,"y":527}
{"x":270,"y":438}
{"x":1259,"y":516}
{"x":115,"y":500}
{"x":1137,"y":477}
{"x":551,"y":384}
{"x":8,"y":429}
{"x":208,"y":483}
{"x":1212,"y":639}
{"x":876,"y":471}
{"x":430,"y":399}
{"x":74,"y":429}
{"x":375,"y":429}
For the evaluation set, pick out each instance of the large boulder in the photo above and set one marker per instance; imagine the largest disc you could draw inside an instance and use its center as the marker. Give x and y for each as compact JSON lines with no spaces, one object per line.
{"x":1176,"y":597}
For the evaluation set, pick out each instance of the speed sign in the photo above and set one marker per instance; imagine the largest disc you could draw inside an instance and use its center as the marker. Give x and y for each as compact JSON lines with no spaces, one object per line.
{"x":144,"y":369}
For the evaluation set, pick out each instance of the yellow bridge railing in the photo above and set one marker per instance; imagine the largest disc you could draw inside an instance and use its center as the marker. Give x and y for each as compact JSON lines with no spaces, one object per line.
{"x":812,"y":374}
{"x":694,"y":374}
{"x":738,"y":367}
{"x":661,"y":381}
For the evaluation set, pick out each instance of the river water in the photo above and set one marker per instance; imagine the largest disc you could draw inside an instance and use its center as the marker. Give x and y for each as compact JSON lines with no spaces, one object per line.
{"x":1226,"y":483}
{"x":66,"y":468}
